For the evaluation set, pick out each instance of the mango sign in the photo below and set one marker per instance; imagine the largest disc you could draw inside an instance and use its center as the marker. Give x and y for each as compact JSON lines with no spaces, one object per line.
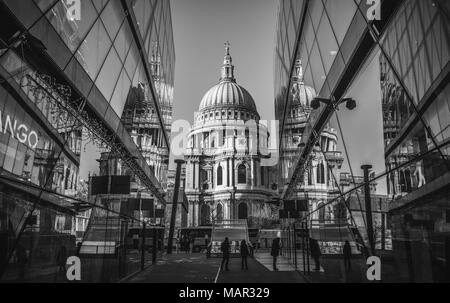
{"x":19,"y":131}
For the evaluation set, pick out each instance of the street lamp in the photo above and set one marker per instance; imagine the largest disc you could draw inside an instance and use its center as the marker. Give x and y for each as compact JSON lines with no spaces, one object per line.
{"x":349,"y":102}
{"x":232,"y":202}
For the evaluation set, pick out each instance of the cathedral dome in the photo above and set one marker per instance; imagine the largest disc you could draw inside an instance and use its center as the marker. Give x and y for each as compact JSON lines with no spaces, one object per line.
{"x":302,"y":94}
{"x":227,"y":93}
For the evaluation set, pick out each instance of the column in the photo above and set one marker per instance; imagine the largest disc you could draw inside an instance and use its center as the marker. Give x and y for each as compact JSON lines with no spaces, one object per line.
{"x":229,"y":170}
{"x":196,"y":175}
{"x":188,"y":174}
{"x":196,"y":213}
{"x":252,"y":172}
{"x":191,"y":212}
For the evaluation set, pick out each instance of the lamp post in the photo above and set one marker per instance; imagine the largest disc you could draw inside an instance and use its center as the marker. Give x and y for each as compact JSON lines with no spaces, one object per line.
{"x":231,"y":192}
{"x":368,"y":205}
{"x":179,"y":162}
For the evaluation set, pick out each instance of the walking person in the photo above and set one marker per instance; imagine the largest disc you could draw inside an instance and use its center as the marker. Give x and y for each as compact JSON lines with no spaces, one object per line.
{"x":275,"y":251}
{"x":315,"y":252}
{"x":187,"y":244}
{"x":225,"y":248}
{"x":244,"y":254}
{"x":61,"y":258}
{"x":192,"y":240}
{"x":347,"y":252}
{"x":22,"y":259}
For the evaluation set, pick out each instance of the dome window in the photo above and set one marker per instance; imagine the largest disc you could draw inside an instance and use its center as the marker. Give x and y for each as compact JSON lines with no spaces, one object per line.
{"x":321,"y":173}
{"x":242,"y":174}
{"x":219,"y":212}
{"x":242,"y":211}
{"x":219,"y":175}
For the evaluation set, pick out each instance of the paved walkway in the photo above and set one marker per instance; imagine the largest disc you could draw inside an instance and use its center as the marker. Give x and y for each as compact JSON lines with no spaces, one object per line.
{"x":260,"y":271}
{"x":283,"y":263}
{"x":196,"y":268}
{"x":266,"y":260}
{"x":179,"y":268}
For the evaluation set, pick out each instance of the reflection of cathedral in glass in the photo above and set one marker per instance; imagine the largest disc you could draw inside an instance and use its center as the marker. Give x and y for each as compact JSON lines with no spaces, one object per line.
{"x":225,"y":178}
{"x":396,"y":111}
{"x":319,"y":184}
{"x":141,"y":121}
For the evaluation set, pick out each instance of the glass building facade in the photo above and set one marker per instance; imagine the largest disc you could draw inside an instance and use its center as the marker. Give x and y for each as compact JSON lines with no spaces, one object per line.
{"x":70,"y":75}
{"x":396,"y":68}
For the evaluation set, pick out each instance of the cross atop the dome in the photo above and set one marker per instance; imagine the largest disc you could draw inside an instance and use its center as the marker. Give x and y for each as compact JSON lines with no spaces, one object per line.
{"x":227,"y":47}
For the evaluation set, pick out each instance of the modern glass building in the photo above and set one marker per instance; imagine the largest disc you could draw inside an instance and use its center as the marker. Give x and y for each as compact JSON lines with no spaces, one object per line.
{"x":68,"y":70}
{"x":393,"y":60}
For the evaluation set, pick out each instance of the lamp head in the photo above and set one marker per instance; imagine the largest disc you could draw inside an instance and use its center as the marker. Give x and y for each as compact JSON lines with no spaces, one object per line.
{"x":315,"y":103}
{"x":350,"y":104}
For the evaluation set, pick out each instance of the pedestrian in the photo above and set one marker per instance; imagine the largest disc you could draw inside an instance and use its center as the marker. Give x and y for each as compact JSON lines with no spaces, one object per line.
{"x":315,"y":252}
{"x":187,"y":245}
{"x":192,"y":244}
{"x":252,"y":249}
{"x":347,"y":252}
{"x":61,"y":258}
{"x":22,"y":259}
{"x":225,"y":248}
{"x":244,"y":254}
{"x":275,"y":251}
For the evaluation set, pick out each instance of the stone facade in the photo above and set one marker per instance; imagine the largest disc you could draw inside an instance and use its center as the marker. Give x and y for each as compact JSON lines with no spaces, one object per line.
{"x":225,"y":177}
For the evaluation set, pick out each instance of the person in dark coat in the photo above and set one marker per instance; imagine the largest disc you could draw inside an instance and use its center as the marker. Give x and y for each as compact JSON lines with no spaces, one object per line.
{"x":315,"y":252}
{"x":22,"y":260}
{"x":225,"y":248}
{"x":244,"y":254}
{"x":347,"y":252}
{"x":61,"y":258}
{"x":187,"y":244}
{"x":275,"y":251}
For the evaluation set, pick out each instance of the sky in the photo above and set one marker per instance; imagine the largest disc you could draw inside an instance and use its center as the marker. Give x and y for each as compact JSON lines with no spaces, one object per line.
{"x":201,"y":27}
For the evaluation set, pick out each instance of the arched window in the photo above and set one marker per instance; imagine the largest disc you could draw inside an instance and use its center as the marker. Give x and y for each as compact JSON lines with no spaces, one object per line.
{"x":405,"y":181}
{"x":205,"y":211}
{"x":203,"y":176}
{"x":219,"y":175}
{"x":340,"y":212}
{"x":322,"y":210}
{"x":219,"y":212}
{"x":242,"y":174}
{"x":408,"y":180}
{"x":310,"y":175}
{"x":262,"y":175}
{"x":242,"y":211}
{"x":320,"y":173}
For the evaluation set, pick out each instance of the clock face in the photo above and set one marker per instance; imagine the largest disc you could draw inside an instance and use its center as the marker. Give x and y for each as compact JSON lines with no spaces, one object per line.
{"x":242,"y":141}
